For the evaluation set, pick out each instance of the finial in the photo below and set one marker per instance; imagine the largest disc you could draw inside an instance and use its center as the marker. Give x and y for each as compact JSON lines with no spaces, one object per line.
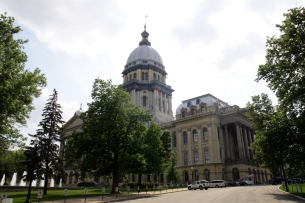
{"x":80,"y":106}
{"x":145,"y":23}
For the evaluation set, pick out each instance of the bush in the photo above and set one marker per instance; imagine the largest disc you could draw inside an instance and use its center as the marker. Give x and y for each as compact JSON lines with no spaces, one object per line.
{"x":87,"y":184}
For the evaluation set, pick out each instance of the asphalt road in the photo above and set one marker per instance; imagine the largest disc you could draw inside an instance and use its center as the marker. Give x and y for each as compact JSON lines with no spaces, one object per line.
{"x":241,"y":194}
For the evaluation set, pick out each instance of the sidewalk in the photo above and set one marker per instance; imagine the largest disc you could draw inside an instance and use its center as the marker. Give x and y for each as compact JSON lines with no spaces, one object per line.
{"x":119,"y":197}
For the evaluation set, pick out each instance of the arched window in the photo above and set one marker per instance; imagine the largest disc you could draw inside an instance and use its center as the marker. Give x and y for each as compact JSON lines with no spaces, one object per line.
{"x":146,"y":76}
{"x":186,"y":176}
{"x":144,"y":100}
{"x":184,"y":137}
{"x":155,"y":76}
{"x":205,"y":134}
{"x":134,"y":76}
{"x":207,"y":174}
{"x":193,"y":112}
{"x":196,"y":175}
{"x":197,"y":101}
{"x":203,"y":109}
{"x":183,"y":114}
{"x":189,"y":104}
{"x":195,"y":136}
{"x":174,"y":140}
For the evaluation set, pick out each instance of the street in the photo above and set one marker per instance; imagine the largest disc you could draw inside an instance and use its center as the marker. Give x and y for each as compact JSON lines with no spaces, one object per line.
{"x":242,"y":194}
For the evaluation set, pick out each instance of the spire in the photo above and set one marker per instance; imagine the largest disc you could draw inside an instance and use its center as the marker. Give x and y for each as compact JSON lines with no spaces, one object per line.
{"x":145,"y":35}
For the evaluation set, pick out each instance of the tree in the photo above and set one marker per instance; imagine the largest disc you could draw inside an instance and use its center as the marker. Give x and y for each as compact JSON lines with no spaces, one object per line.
{"x":18,"y":86}
{"x":274,"y":140}
{"x":112,"y":126}
{"x":48,"y":135}
{"x":284,"y":72}
{"x":172,"y":171}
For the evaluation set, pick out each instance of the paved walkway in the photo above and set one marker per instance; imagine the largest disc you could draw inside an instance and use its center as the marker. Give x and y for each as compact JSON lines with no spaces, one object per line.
{"x":119,"y":197}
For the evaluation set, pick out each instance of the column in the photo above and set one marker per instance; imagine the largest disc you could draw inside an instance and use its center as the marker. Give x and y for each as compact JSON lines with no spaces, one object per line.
{"x":246,"y":143}
{"x":179,"y":147}
{"x":189,"y":147}
{"x":228,"y":145}
{"x":240,"y":149}
{"x":242,"y":140}
{"x":250,"y":142}
{"x":200,"y":153}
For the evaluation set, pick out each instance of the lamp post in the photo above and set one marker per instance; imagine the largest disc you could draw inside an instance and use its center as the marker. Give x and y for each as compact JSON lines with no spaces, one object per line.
{"x":192,"y":173}
{"x":32,"y":168}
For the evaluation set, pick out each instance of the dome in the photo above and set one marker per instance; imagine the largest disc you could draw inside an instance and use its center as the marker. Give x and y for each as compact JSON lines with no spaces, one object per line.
{"x":78,"y":112}
{"x":144,"y":54}
{"x":208,"y":99}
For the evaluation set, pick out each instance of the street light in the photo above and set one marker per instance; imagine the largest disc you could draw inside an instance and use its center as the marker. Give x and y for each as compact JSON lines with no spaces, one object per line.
{"x":32,"y":168}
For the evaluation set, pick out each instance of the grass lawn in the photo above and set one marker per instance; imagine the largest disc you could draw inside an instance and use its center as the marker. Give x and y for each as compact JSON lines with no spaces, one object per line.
{"x":20,"y":196}
{"x":295,"y":189}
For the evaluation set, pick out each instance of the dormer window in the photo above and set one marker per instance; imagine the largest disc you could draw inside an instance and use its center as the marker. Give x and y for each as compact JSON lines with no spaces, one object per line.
{"x":203,"y":109}
{"x":193,"y":112}
{"x":189,"y":104}
{"x":183,"y":114}
{"x":197,"y":101}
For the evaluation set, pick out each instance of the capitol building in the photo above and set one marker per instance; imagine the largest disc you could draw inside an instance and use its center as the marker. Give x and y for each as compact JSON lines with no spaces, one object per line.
{"x":210,"y":137}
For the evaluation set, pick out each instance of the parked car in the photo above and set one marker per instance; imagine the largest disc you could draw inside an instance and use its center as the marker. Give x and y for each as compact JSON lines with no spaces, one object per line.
{"x":231,"y":183}
{"x":87,"y":184}
{"x":217,"y":183}
{"x":198,"y":185}
{"x":277,"y":180}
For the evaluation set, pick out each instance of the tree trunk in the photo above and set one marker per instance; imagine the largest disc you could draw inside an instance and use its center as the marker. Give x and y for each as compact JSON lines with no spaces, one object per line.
{"x":46,"y":180}
{"x":139,"y":180}
{"x":115,"y":180}
{"x":283,"y":170}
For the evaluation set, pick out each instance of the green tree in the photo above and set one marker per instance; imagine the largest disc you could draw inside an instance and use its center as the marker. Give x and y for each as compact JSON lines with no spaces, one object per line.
{"x":18,"y":86}
{"x":172,"y":172}
{"x":111,"y":127}
{"x":284,"y":71}
{"x":274,"y":140}
{"x":48,"y":136}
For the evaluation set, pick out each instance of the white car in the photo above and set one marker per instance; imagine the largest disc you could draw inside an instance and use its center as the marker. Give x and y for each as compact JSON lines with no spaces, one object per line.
{"x":200,"y":184}
{"x":217,"y":183}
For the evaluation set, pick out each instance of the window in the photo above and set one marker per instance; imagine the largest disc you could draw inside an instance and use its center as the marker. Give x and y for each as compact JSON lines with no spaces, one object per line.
{"x":158,"y":77}
{"x":134,"y":76}
{"x":184,"y":137}
{"x":193,"y":112}
{"x":196,"y":157}
{"x":205,"y":134}
{"x":143,"y":75}
{"x":206,"y":156}
{"x":207,"y":174}
{"x":203,"y":109}
{"x":144,"y":100}
{"x":174,"y":140}
{"x":189,"y":104}
{"x":197,"y":101}
{"x":195,"y":136}
{"x":146,"y":76}
{"x":155,"y":76}
{"x":185,"y":158}
{"x":183,"y":114}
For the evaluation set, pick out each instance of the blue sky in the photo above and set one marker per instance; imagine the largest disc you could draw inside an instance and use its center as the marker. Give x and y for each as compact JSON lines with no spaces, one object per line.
{"x":207,"y":46}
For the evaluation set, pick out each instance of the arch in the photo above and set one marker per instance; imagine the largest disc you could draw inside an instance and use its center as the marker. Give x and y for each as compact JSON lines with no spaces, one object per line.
{"x":144,"y":101}
{"x":195,"y":175}
{"x":235,"y":174}
{"x":195,"y":136}
{"x":184,"y":137}
{"x":206,"y":173}
{"x":186,"y":176}
{"x":174,"y":139}
{"x":205,"y":134}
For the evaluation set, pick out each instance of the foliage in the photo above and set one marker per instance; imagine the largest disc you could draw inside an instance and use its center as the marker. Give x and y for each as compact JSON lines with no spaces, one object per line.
{"x":112,"y":127}
{"x":11,"y":162}
{"x":48,"y":135}
{"x":173,"y":173}
{"x":284,"y":72}
{"x":18,"y":86}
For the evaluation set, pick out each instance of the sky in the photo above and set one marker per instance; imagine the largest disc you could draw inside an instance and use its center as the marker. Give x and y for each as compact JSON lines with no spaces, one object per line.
{"x":207,"y":46}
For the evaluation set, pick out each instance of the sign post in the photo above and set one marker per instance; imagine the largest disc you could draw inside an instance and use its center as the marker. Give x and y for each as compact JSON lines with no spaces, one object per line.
{"x":86,"y":191}
{"x":103,"y":191}
{"x":154,"y":188}
{"x":146,"y":188}
{"x":116,"y":192}
{"x":128,"y":189}
{"x":138,"y":190}
{"x":39,"y":195}
{"x":65,"y":194}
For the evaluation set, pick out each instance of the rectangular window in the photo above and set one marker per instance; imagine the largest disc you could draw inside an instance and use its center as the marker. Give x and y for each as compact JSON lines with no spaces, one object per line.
{"x":185,"y":156}
{"x":206,"y":156}
{"x":196,"y":157}
{"x":143,"y":75}
{"x":195,"y":136}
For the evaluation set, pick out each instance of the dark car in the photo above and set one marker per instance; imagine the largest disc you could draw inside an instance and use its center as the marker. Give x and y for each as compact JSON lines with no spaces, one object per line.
{"x":242,"y":182}
{"x":231,"y":183}
{"x":87,"y":184}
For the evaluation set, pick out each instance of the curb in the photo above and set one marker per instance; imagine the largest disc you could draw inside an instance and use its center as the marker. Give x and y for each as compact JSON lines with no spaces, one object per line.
{"x":301,"y":198}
